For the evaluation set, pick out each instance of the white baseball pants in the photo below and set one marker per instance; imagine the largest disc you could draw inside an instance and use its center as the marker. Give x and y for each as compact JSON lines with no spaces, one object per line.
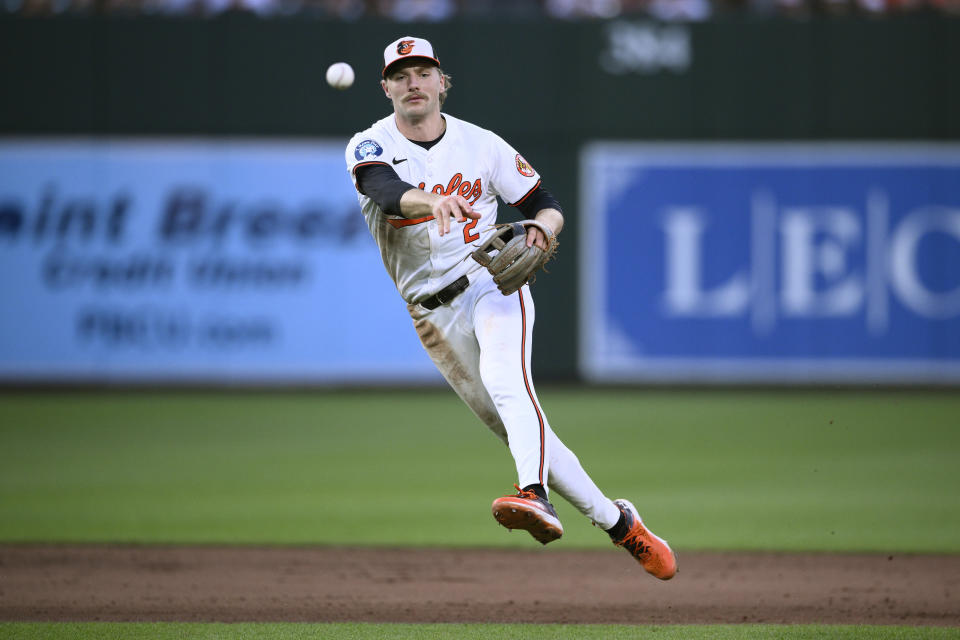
{"x":481,"y":342}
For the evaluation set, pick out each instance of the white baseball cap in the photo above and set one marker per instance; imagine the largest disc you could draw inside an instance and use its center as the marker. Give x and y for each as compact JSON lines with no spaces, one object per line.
{"x":407,"y":47}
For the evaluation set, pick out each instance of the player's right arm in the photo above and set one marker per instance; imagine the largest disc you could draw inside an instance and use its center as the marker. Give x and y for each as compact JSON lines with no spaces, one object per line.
{"x":378,"y":181}
{"x":416,"y":203}
{"x":381,"y":184}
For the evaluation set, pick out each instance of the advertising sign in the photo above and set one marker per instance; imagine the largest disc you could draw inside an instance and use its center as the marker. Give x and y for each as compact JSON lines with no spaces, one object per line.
{"x":771,"y":262}
{"x":186,"y":260}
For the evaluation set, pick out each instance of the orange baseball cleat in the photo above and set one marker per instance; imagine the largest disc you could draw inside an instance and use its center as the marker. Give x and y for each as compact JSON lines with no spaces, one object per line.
{"x":528,"y":511}
{"x":651,"y":551}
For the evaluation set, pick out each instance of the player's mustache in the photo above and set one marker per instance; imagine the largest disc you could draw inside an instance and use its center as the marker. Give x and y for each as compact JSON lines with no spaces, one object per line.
{"x":415,"y":95}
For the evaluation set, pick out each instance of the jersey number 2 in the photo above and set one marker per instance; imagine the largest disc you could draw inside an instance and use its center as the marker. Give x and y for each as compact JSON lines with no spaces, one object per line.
{"x":468,"y":235}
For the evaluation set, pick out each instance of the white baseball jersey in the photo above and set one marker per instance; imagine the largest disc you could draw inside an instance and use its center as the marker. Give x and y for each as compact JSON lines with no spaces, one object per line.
{"x":471,"y":161}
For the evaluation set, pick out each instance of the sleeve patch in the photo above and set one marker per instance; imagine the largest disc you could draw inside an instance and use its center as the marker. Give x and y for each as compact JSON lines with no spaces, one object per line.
{"x":367,"y":149}
{"x":523,"y":167}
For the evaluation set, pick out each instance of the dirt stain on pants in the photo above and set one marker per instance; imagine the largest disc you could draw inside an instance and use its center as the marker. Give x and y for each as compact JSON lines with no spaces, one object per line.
{"x":464,"y":379}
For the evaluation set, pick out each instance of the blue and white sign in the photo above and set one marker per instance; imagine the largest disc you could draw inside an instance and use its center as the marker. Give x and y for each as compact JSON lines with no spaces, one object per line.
{"x":770,"y":262}
{"x":147,"y":260}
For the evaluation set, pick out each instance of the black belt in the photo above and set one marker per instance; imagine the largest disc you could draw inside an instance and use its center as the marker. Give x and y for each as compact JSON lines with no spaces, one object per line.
{"x":446,"y":294}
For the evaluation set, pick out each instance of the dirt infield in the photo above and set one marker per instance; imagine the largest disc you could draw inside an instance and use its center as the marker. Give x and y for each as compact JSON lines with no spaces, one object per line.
{"x":129,"y":583}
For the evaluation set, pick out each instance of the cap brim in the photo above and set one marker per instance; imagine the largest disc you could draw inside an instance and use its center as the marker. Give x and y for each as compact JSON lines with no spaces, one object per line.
{"x":435,"y":62}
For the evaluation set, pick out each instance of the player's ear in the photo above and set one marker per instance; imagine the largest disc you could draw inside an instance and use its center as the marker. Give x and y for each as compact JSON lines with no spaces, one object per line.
{"x":383,"y":85}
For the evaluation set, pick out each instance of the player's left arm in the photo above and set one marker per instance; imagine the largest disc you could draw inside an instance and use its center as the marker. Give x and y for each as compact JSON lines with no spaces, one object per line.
{"x":519,"y":184}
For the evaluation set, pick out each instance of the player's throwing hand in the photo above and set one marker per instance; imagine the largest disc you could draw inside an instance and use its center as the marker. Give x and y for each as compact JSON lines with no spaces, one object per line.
{"x":453,"y":207}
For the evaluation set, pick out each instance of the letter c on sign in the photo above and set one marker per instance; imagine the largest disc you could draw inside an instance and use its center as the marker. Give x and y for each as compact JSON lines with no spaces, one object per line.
{"x":903,"y":262}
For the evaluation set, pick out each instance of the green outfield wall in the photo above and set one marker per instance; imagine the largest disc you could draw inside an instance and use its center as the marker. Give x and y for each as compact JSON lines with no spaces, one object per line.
{"x":547,"y":87}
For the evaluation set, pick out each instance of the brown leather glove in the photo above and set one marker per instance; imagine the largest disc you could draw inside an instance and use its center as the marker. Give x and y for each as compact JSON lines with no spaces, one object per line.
{"x":507,"y":256}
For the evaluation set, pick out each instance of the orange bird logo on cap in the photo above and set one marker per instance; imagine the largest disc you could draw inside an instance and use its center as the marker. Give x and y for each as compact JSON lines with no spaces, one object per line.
{"x":404,"y":47}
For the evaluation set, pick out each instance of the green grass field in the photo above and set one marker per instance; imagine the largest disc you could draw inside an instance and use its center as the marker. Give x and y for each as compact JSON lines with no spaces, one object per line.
{"x":786,"y":470}
{"x":714,"y":470}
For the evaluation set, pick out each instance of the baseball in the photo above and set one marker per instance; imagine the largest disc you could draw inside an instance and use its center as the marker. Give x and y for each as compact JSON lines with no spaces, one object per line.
{"x":340,"y":75}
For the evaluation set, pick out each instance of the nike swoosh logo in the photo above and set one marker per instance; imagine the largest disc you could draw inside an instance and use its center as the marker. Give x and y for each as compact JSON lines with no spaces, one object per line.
{"x":395,"y":161}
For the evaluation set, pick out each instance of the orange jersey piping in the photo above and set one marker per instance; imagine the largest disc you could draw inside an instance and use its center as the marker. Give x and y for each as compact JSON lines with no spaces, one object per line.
{"x":520,"y":201}
{"x":396,"y":223}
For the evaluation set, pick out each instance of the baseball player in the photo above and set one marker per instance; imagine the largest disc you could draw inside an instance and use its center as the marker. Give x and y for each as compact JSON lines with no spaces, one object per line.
{"x":428,"y":185}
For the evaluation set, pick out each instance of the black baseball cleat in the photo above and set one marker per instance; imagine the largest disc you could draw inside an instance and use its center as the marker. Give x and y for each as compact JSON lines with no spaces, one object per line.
{"x":651,"y":551}
{"x":528,"y":511}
